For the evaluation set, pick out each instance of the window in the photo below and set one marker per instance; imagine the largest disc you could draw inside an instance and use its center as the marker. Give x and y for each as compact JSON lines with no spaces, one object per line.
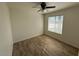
{"x":55,"y":24}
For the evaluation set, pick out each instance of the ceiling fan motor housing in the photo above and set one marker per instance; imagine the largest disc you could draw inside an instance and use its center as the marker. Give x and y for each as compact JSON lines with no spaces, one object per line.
{"x":43,"y":5}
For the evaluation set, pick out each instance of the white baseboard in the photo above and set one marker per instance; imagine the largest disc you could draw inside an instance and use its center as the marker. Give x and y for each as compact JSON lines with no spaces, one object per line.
{"x":34,"y":35}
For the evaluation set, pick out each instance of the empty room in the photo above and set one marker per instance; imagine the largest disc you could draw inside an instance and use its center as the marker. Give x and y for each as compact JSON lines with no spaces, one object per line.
{"x":39,"y":28}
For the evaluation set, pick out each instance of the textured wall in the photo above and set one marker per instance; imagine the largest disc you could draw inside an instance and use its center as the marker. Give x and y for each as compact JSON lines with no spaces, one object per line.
{"x":26,"y":21}
{"x":5,"y":31}
{"x":70,"y":26}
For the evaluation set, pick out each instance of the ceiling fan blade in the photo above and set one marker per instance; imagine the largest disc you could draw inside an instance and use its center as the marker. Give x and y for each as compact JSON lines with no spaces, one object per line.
{"x":40,"y":10}
{"x":51,"y":7}
{"x":36,"y":4}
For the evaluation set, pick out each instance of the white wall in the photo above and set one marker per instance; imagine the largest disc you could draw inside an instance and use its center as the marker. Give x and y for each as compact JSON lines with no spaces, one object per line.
{"x":26,"y":21}
{"x":5,"y":31}
{"x":70,"y":27}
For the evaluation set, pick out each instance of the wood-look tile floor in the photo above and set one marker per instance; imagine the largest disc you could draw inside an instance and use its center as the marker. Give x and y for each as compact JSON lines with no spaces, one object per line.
{"x":43,"y":46}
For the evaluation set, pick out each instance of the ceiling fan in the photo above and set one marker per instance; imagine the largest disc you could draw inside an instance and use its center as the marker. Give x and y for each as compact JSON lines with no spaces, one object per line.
{"x":44,"y":6}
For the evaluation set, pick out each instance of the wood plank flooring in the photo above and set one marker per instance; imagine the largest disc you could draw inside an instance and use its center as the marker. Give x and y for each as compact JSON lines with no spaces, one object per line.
{"x":43,"y":46}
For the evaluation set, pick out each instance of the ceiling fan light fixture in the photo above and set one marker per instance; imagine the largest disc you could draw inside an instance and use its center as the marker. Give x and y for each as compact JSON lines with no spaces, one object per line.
{"x":45,"y":10}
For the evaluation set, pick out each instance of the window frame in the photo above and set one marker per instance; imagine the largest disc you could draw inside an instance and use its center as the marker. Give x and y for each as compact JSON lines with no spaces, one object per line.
{"x":62,"y":24}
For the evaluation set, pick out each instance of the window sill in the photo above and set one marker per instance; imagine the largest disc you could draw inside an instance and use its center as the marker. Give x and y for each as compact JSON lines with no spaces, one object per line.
{"x":55,"y":33}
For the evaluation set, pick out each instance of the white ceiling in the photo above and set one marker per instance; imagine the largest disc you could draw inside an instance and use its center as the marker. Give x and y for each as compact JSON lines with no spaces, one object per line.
{"x":59,"y":5}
